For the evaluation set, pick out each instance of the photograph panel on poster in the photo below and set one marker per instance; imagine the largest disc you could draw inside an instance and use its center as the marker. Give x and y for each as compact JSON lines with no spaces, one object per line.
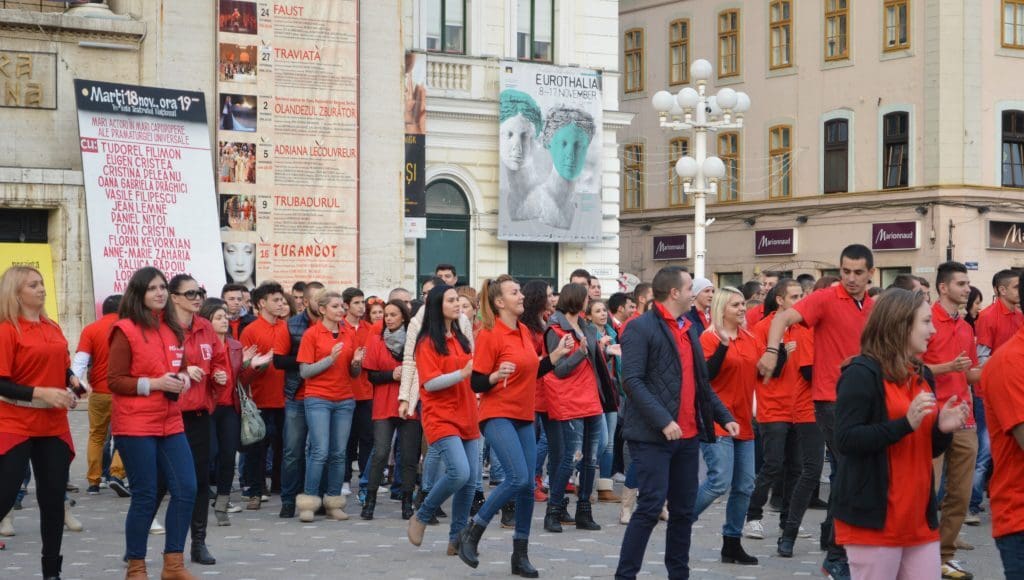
{"x":240,"y":263}
{"x":237,"y":63}
{"x":236,"y":162}
{"x":237,"y":113}
{"x":415,"y":86}
{"x":237,"y":213}
{"x":238,"y":16}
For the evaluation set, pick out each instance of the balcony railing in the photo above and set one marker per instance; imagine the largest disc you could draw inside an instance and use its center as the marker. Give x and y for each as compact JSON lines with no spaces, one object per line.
{"x":34,"y":5}
{"x":458,"y":76}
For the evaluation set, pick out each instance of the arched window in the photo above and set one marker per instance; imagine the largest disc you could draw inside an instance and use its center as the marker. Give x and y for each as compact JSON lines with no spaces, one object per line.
{"x":447,"y":240}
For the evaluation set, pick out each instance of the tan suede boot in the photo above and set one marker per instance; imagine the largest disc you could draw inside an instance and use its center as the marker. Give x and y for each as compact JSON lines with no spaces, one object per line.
{"x":174,"y":568}
{"x":136,"y":570}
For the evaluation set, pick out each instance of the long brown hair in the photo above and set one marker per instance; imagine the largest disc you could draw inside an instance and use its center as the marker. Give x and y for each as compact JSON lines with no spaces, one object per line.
{"x":887,"y":331}
{"x":490,"y":292}
{"x":133,"y":304}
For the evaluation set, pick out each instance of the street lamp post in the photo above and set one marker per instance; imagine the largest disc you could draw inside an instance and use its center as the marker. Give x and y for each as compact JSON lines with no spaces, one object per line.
{"x":693,"y":110}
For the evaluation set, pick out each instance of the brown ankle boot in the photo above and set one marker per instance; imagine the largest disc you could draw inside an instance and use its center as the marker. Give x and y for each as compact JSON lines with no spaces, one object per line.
{"x":174,"y":568}
{"x":136,"y":570}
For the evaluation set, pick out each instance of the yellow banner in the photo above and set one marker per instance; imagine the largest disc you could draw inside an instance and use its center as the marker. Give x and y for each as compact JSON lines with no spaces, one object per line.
{"x":38,"y":256}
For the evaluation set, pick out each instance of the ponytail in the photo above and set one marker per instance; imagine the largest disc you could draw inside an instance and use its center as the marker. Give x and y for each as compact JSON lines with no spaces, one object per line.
{"x":491,"y":291}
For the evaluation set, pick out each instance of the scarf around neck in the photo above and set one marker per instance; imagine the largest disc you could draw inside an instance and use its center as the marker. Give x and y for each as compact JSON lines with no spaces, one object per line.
{"x":395,"y":341}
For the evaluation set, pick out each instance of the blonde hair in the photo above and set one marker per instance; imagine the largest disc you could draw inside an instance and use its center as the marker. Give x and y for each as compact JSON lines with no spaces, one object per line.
{"x":324,"y":297}
{"x":490,"y":292}
{"x":718,"y":304}
{"x":11,"y":283}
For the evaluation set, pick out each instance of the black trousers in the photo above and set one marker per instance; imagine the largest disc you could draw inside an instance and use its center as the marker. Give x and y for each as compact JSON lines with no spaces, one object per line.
{"x":825,"y":415}
{"x":811,"y":445}
{"x":360,"y":438}
{"x":256,"y":454}
{"x":50,"y":457}
{"x":409,"y":434}
{"x":780,"y":464}
{"x":228,"y":425}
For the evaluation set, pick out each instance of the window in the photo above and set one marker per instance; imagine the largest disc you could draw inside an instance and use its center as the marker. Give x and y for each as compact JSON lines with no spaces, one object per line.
{"x":634,"y":60}
{"x":897,"y":25}
{"x":1013,"y":148}
{"x":536,"y":30}
{"x":889,"y":274}
{"x":781,"y":33}
{"x":837,"y":159}
{"x":679,"y":52}
{"x":678,"y":147}
{"x":729,"y":153}
{"x":24,"y":225}
{"x":447,"y":238}
{"x":730,"y":279}
{"x":896,"y":150}
{"x":633,"y":177}
{"x":446,"y":26}
{"x":837,"y":29}
{"x":1013,"y":23}
{"x":533,"y":261}
{"x":780,"y":153}
{"x":728,"y":43}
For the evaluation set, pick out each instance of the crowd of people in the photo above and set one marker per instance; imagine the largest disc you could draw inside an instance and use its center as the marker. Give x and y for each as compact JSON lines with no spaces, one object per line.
{"x":912,"y":401}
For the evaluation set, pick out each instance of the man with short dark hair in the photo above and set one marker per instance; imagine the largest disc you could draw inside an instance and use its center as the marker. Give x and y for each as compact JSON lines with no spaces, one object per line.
{"x":233,"y":296}
{"x":907,"y":282}
{"x":299,"y":295}
{"x":621,"y":306}
{"x":806,"y":282}
{"x":594,"y":288}
{"x":400,"y":295}
{"x":926,"y":287}
{"x":360,"y":436}
{"x":580,"y":276}
{"x":768,"y":281}
{"x":670,"y":409}
{"x":447,"y":273}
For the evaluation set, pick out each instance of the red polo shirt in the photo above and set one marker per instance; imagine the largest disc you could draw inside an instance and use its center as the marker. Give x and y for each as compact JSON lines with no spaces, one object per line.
{"x":997,"y":324}
{"x":360,"y":337}
{"x":95,"y":342}
{"x":268,"y":386}
{"x":513,"y":398}
{"x":837,"y":323}
{"x":680,"y":329}
{"x":737,"y":377}
{"x":335,"y":383}
{"x":952,"y":336}
{"x":1004,"y":410}
{"x":755,"y":315}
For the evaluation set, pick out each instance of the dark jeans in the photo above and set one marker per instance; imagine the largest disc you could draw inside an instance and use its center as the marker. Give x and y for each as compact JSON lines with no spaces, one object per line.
{"x":256,"y":455}
{"x":666,"y":471}
{"x":360,"y":438}
{"x":825,"y":415}
{"x":50,"y":457}
{"x":227,"y":426}
{"x":410,"y":433}
{"x":197,"y":431}
{"x":293,"y":456}
{"x":780,"y":457}
{"x":577,"y":435}
{"x":149,"y":460}
{"x":553,"y":435}
{"x":515,"y":444}
{"x":1011,"y":550}
{"x":811,"y":445}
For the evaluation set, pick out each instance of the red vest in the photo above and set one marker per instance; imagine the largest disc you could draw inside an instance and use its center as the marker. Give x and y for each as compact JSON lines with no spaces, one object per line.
{"x":154,"y":354}
{"x":204,"y":350}
{"x":574,"y":396}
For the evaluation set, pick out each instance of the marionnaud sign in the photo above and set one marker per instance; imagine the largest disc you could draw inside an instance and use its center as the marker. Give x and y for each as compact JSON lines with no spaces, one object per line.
{"x":895,"y":236}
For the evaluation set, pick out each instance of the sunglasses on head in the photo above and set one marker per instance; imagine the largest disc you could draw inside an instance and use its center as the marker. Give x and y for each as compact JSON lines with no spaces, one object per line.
{"x":192,"y":294}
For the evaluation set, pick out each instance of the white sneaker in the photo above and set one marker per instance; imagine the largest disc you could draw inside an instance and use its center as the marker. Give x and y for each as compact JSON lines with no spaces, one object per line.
{"x":619,"y":478}
{"x":803,"y":533}
{"x":7,"y":526}
{"x":346,"y":489}
{"x":754,"y":530}
{"x":972,"y":520}
{"x":156,"y":529}
{"x":234,"y":509}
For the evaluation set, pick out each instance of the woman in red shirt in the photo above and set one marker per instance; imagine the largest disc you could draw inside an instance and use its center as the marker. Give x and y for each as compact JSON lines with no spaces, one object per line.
{"x":537,"y":298}
{"x":147,"y":372}
{"x":888,"y":429}
{"x":383,"y":362}
{"x":732,"y":355}
{"x":444,"y":362}
{"x":35,"y":394}
{"x":330,"y":405}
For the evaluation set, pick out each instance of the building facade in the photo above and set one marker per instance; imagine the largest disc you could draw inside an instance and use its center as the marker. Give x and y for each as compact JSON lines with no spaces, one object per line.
{"x":898,"y":124}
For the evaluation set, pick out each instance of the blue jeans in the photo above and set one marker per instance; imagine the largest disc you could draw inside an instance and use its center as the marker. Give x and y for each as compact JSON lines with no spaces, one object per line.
{"x":542,"y":443}
{"x":329,"y":423}
{"x":293,"y":456}
{"x":496,"y":472}
{"x":667,"y":471}
{"x":149,"y":460}
{"x":431,"y":469}
{"x":983,"y":464}
{"x":515,"y":444}
{"x":730,"y":468}
{"x":577,"y":435}
{"x":606,"y":448}
{"x":461,"y":466}
{"x":1011,"y":550}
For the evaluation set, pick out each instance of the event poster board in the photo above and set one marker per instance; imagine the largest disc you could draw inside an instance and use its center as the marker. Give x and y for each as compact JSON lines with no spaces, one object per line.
{"x":550,"y":146}
{"x":149,"y":186}
{"x":39,"y":257}
{"x":288,"y":141}
{"x":414,"y":173}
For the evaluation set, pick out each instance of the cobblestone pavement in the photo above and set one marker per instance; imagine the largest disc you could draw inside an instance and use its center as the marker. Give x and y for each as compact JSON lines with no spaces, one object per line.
{"x":259,"y":545}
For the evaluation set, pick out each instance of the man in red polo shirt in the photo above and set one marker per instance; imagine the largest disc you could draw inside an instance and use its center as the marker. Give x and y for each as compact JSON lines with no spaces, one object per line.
{"x":360,"y":438}
{"x":952,"y":359}
{"x":837,"y":316}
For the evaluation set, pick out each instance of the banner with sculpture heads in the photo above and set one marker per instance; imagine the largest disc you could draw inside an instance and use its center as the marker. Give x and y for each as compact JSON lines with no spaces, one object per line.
{"x":549,"y":153}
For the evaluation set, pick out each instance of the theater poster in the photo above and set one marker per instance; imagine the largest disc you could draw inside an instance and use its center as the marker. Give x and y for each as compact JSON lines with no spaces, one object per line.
{"x":550,"y":153}
{"x":287,"y":154}
{"x":149,"y":188}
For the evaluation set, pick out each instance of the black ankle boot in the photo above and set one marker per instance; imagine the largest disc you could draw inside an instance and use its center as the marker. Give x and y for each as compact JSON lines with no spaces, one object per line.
{"x":564,"y":517}
{"x":732,"y":552}
{"x":407,"y":506}
{"x":552,"y":518}
{"x":585,"y":516}
{"x":508,"y":515}
{"x":201,"y":555}
{"x":51,"y":567}
{"x":786,"y":542}
{"x":369,"y":504}
{"x":469,"y":539}
{"x":521,"y":565}
{"x":478,"y":502}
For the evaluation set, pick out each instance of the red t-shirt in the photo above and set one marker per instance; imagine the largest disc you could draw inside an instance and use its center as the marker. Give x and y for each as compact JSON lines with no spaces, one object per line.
{"x":95,"y":342}
{"x":755,"y":315}
{"x":385,"y":396}
{"x":952,"y":337}
{"x":1004,"y":410}
{"x":995,"y":325}
{"x":37,"y":356}
{"x":910,"y":481}
{"x":541,"y":400}
{"x":686,"y":418}
{"x":452,"y":411}
{"x":737,"y":378}
{"x":787,"y":398}
{"x":837,"y":323}
{"x":514,"y":398}
{"x":335,"y":383}
{"x":362,"y":388}
{"x":268,"y":386}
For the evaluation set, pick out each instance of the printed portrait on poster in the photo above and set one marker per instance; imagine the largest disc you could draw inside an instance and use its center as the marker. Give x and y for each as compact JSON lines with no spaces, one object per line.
{"x":550,"y":153}
{"x":238,"y":16}
{"x":415,"y":93}
{"x":238,"y":113}
{"x":240,"y":263}
{"x":238,"y":213}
